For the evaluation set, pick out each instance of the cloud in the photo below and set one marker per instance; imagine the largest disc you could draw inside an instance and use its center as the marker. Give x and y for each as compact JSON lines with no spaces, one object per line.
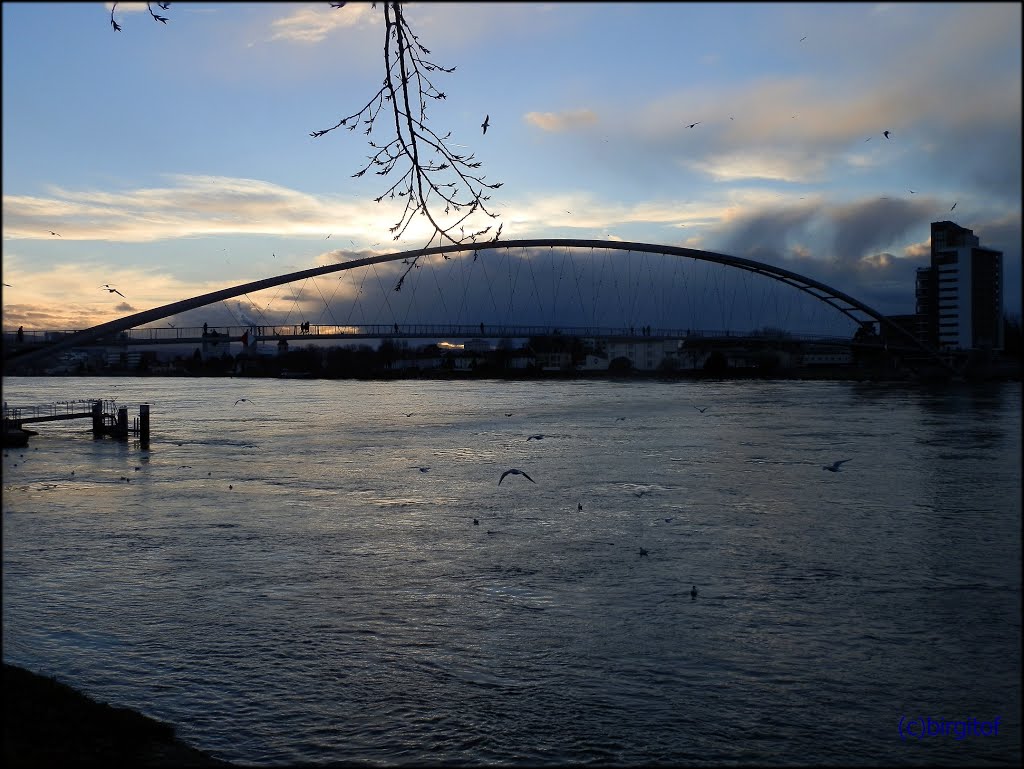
{"x":561,"y":121}
{"x":314,"y":24}
{"x":189,"y":206}
{"x":787,"y":165}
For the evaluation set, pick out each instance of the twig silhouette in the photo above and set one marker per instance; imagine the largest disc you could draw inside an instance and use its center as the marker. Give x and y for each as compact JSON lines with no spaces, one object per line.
{"x":430,"y":175}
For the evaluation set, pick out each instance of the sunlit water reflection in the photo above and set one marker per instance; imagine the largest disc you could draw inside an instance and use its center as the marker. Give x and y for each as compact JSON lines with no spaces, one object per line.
{"x":299,"y":579}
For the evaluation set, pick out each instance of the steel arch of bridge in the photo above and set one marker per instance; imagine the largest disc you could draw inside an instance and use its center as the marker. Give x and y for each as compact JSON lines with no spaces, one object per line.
{"x":856,"y":310}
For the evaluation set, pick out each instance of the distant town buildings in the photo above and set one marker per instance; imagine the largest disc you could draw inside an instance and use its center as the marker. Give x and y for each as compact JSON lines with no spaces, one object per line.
{"x":959,"y":297}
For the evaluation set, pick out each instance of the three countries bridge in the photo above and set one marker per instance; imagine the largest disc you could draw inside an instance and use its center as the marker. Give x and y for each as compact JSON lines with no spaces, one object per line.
{"x":30,"y":349}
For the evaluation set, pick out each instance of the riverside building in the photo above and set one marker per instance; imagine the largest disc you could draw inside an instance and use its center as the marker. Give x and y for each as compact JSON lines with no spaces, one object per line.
{"x":959,"y":297}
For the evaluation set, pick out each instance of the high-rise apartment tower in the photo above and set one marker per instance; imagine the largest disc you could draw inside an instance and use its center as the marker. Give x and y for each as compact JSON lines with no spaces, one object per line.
{"x":960,"y":296}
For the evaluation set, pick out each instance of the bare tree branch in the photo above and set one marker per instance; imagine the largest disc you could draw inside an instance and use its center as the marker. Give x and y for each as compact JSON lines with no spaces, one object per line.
{"x":431,"y":177}
{"x":149,"y":7}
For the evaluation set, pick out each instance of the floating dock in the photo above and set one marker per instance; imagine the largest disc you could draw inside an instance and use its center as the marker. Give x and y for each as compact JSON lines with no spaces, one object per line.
{"x":108,"y":419}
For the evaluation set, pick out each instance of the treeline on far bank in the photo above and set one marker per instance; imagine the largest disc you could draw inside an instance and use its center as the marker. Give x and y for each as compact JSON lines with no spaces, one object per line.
{"x":390,"y":361}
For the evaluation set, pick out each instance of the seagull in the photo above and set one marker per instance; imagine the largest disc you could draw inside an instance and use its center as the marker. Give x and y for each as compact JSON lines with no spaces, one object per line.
{"x":885,"y":134}
{"x":243,"y":400}
{"x":56,"y":233}
{"x":114,"y":291}
{"x":693,"y":592}
{"x":537,"y":437}
{"x":669,"y":520}
{"x":328,"y":237}
{"x":508,"y":413}
{"x":834,"y":467}
{"x":954,"y":205}
{"x":803,"y":38}
{"x":912,"y":192}
{"x":424,"y":469}
{"x":487,"y":122}
{"x":691,"y":125}
{"x":868,"y":139}
{"x":702,"y":410}
{"x":513,"y":471}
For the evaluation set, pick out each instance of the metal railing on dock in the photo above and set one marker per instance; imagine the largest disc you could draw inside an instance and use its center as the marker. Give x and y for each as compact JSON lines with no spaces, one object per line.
{"x":107,"y":417}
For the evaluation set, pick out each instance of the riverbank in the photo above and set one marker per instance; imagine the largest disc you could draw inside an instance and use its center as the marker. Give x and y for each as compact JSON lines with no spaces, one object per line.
{"x":47,"y":724}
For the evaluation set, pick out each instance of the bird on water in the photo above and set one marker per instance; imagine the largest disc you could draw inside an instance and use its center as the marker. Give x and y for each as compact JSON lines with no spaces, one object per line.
{"x":693,"y":592}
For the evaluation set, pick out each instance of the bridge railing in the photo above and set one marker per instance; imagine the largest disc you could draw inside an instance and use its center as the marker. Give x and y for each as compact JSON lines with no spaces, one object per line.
{"x":220,"y":334}
{"x":79,"y":406}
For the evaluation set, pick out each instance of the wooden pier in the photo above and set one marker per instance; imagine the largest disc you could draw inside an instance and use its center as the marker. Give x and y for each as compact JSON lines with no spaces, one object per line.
{"x":108,"y":419}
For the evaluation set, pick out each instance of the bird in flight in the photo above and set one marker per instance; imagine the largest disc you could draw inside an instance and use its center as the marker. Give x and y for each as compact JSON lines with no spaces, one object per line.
{"x":513,"y":471}
{"x":954,"y":205}
{"x":487,"y":122}
{"x":537,"y":437}
{"x":885,"y":134}
{"x":691,"y":125}
{"x":834,"y":467}
{"x":803,"y":38}
{"x":328,"y":237}
{"x":243,"y":400}
{"x":702,"y":410}
{"x":912,"y":192}
{"x":868,"y":139}
{"x":113,"y":291}
{"x":56,"y":233}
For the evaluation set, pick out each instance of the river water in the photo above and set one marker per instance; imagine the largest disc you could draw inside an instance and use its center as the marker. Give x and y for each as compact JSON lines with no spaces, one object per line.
{"x":297,"y":577}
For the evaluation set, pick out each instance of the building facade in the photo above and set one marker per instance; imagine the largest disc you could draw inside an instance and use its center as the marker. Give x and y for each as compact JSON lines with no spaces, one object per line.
{"x":959,"y":297}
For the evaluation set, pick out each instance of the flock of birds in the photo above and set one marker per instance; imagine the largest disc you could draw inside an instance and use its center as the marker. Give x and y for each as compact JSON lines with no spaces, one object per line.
{"x":835,"y":467}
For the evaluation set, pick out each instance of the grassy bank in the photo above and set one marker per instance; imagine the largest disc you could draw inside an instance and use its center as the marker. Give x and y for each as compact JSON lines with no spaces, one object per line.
{"x":48,"y":724}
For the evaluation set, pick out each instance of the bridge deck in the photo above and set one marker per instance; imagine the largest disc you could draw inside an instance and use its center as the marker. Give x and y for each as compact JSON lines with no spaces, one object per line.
{"x":267,"y":334}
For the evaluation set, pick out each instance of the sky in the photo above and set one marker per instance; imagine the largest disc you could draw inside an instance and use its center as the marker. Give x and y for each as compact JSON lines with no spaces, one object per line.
{"x":173,"y":159}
